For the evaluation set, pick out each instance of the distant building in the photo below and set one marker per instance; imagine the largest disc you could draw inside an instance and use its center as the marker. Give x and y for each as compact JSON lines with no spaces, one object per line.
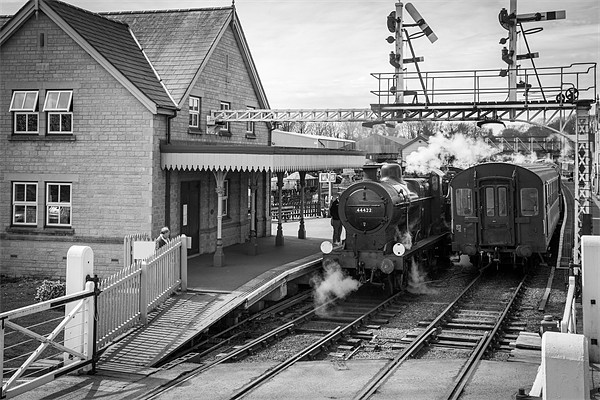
{"x":104,"y":134}
{"x":381,"y":148}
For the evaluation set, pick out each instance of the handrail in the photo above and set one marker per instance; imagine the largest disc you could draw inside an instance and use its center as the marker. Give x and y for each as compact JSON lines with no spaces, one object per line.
{"x":551,"y":83}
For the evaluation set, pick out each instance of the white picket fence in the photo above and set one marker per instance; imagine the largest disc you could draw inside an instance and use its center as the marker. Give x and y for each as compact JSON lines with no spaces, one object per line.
{"x":128,"y":246}
{"x":131,"y":293}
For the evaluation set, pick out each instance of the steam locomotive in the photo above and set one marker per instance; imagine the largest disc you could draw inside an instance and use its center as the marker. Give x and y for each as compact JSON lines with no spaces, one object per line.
{"x":505,"y":213}
{"x":391,"y":222}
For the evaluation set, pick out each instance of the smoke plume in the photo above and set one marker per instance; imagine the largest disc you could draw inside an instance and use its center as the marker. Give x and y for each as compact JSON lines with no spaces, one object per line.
{"x":417,"y":283}
{"x":459,"y":150}
{"x":333,"y":284}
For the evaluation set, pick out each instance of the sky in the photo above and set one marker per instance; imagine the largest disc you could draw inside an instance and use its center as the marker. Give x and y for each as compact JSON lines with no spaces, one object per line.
{"x":319,"y":54}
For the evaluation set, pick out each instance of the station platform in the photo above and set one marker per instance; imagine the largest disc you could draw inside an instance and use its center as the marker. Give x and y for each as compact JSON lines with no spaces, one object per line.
{"x":240,"y":268}
{"x":215,"y":292}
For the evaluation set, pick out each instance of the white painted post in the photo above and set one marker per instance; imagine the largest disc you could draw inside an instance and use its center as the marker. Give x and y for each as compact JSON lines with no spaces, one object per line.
{"x":565,"y":361}
{"x":144,"y":293}
{"x":590,"y":281}
{"x":184,"y":264}
{"x":80,"y":263}
{"x":88,"y":327}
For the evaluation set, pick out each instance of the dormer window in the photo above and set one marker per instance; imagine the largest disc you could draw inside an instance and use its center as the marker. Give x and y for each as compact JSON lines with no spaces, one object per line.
{"x":58,"y":106}
{"x":24,"y":105}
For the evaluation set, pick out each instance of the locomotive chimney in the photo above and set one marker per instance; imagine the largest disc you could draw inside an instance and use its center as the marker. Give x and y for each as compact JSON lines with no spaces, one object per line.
{"x":370,"y":171}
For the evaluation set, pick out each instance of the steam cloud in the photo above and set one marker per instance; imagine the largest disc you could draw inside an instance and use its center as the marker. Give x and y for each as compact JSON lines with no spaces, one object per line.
{"x":417,"y":283}
{"x":460,"y":151}
{"x":333,"y":284}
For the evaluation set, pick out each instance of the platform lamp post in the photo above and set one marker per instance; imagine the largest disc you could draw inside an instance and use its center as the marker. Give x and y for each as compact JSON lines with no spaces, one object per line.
{"x":279,"y":237}
{"x":254,"y":176}
{"x":301,"y":229}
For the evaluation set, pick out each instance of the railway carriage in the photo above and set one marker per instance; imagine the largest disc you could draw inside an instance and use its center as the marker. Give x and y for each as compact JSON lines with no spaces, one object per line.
{"x":504,"y":212}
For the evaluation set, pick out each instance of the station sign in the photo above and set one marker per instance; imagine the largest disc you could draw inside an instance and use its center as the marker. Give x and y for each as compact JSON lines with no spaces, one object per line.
{"x":327,"y":177}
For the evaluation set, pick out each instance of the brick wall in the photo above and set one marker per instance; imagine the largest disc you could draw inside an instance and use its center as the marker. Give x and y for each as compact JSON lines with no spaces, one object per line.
{"x":224,"y":78}
{"x":112,"y":158}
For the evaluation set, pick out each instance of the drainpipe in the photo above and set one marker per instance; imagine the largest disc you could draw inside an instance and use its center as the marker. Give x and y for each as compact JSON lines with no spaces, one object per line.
{"x":168,"y":176}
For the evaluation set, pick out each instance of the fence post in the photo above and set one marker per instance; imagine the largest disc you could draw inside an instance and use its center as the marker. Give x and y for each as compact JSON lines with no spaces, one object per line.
{"x":80,"y":263}
{"x":2,"y":331}
{"x":144,"y":293}
{"x":89,"y":338}
{"x":183,"y":267}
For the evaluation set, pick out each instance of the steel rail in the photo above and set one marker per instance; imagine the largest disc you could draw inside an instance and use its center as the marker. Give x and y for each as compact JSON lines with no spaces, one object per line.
{"x":310,"y":350}
{"x":387,"y":370}
{"x":484,"y":343}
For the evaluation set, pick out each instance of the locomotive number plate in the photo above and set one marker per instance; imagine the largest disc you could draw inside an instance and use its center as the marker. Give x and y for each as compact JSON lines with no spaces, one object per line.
{"x":364,"y":210}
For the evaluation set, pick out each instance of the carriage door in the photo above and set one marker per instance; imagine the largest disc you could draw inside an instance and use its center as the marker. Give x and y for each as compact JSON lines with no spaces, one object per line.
{"x":190,"y":212}
{"x":496,"y":211}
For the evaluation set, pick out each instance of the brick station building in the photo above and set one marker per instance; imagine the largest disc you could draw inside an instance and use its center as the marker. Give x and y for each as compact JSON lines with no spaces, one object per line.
{"x":104,"y":134}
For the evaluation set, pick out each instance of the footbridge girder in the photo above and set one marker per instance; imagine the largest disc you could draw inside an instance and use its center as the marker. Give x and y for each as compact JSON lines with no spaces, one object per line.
{"x":381,"y":113}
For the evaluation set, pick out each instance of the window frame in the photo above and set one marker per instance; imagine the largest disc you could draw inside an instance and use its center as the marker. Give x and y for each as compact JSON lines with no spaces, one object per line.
{"x":250,"y":125}
{"x":194,"y":112}
{"x":22,"y":110}
{"x":226,"y":128}
{"x":58,"y":109}
{"x":60,"y":204}
{"x":24,"y":203}
{"x":525,"y":194}
{"x":463,"y":195}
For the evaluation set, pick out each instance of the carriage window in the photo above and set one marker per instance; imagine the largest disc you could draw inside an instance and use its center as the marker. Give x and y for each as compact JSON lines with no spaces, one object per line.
{"x":529,"y":202}
{"x":502,"y":208}
{"x":464,"y":202}
{"x":489,"y":201}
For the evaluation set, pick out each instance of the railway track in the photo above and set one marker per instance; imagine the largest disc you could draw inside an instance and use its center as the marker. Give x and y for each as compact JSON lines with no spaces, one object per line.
{"x":338,"y":322}
{"x":472,"y":322}
{"x":468,"y":328}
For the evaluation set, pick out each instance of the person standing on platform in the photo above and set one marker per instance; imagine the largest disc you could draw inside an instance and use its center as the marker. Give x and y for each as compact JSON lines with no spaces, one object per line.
{"x":336,"y":223}
{"x":163,"y":238}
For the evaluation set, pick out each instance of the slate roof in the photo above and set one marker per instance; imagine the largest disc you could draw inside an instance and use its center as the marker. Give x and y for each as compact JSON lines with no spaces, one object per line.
{"x":113,"y":40}
{"x":4,"y":19}
{"x":177,"y":42}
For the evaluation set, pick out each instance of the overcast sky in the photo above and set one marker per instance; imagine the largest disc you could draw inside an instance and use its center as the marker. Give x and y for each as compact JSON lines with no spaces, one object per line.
{"x":320,"y":53}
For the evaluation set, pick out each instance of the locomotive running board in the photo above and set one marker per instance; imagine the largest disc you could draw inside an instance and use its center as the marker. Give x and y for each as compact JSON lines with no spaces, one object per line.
{"x":426,"y":243}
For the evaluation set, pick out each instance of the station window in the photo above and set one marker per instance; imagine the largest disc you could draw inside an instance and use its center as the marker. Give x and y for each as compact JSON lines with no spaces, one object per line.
{"x":250,"y":124}
{"x":58,"y":204}
{"x":194,"y":112}
{"x":225,"y":106}
{"x":24,"y":105}
{"x":529,"y":202}
{"x":24,"y":203}
{"x":58,"y":106}
{"x":464,"y":202}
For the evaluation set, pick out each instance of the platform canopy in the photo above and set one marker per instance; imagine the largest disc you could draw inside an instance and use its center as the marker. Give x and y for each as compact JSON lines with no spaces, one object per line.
{"x":192,"y":157}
